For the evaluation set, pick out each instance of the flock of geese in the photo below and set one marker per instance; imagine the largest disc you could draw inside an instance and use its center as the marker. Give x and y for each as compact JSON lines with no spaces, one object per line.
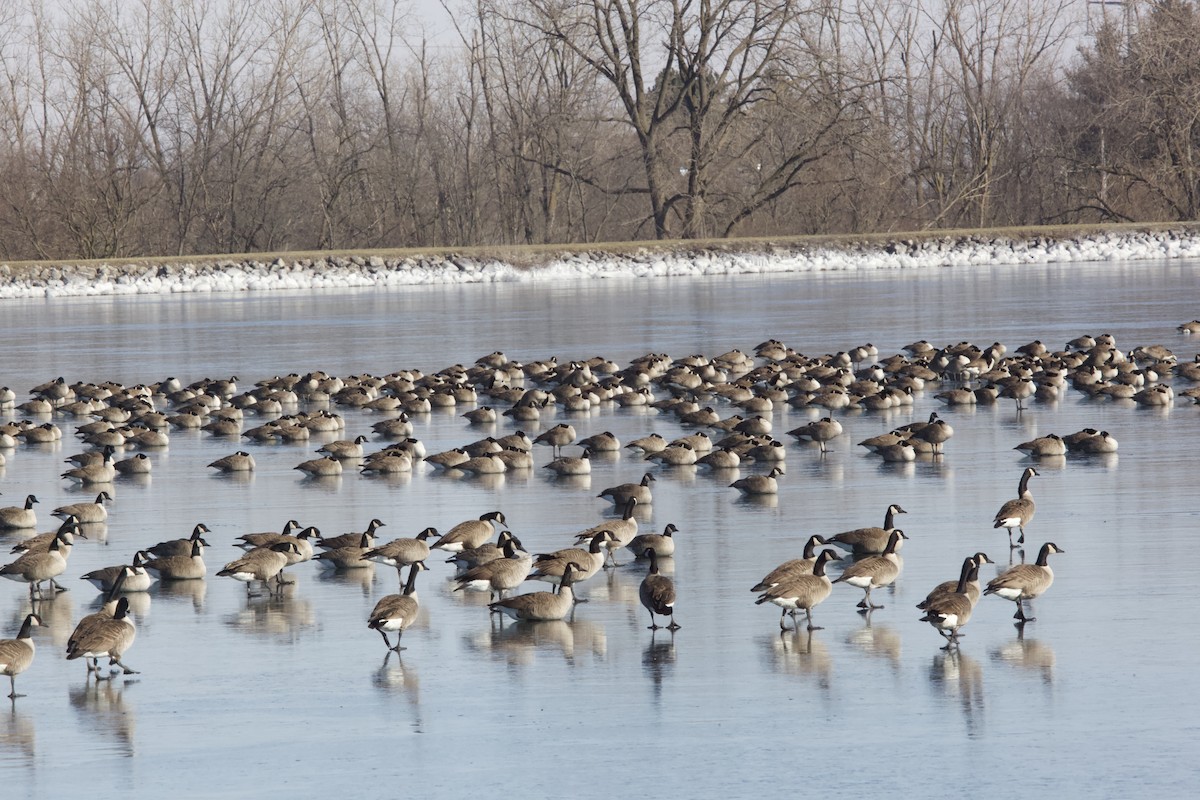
{"x":725,"y":400}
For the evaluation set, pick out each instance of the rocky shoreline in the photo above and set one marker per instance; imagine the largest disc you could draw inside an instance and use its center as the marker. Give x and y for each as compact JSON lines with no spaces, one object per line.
{"x":348,"y":271}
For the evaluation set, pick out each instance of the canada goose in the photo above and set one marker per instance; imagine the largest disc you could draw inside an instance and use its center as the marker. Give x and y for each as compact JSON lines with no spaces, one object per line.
{"x":1049,"y":445}
{"x":549,"y":567}
{"x":557,"y":437}
{"x":448,"y":459}
{"x":948,"y":587}
{"x":401,"y":553}
{"x":1189,"y":327}
{"x":17,"y":654}
{"x":1074,"y":441}
{"x":397,"y":428}
{"x":65,"y":533}
{"x":1102,"y":442}
{"x":675,"y":455}
{"x":948,"y":611}
{"x":262,"y":564}
{"x":36,"y":568}
{"x":758,"y":484}
{"x":130,"y":577}
{"x":110,"y":638}
{"x":46,"y":433}
{"x":899,"y":453}
{"x":474,"y":556}
{"x":181,"y":547}
{"x":936,"y":433}
{"x":661,"y":543}
{"x":326,"y":467}
{"x":770,"y":452}
{"x":500,"y":575}
{"x":801,"y":591}
{"x":85,"y":512}
{"x":604,"y":442}
{"x":238,"y":462}
{"x":1018,"y":512}
{"x":869,"y":541}
{"x":302,"y":540}
{"x":542,"y":606}
{"x":188,"y":567}
{"x":789,"y":569}
{"x":515,"y":458}
{"x":139,"y":464}
{"x":657,"y":593}
{"x":347,"y":556}
{"x":344,"y":448}
{"x":397,"y":612}
{"x":249,"y":541}
{"x":104,"y":472}
{"x":722,"y":458}
{"x":874,"y":572}
{"x":482,"y":415}
{"x":16,"y":517}
{"x":353,"y":538}
{"x":820,"y":431}
{"x":648,"y":444}
{"x":489,"y":464}
{"x":1025,"y":581}
{"x":569,"y":465}
{"x":621,"y":531}
{"x":1019,"y":389}
{"x":109,"y":607}
{"x":621,"y":494}
{"x":470,"y":534}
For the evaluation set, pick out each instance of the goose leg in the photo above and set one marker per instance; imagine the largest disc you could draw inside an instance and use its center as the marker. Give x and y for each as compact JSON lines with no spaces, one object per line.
{"x":1021,"y":539}
{"x":674,"y":626}
{"x":398,"y":648}
{"x":782,"y":616}
{"x":55,"y":587}
{"x":386,"y":641}
{"x":12,"y":682}
{"x":811,"y":627}
{"x":114,"y":660}
{"x":652,"y":626}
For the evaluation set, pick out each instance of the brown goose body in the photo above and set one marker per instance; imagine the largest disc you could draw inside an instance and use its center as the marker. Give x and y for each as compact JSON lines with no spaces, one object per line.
{"x":470,"y":534}
{"x":17,"y":654}
{"x":397,"y":612}
{"x":802,"y":591}
{"x":874,"y":572}
{"x":869,"y":541}
{"x":541,"y":606}
{"x":1018,"y":512}
{"x":1025,"y":581}
{"x":657,"y":593}
{"x":792,"y":568}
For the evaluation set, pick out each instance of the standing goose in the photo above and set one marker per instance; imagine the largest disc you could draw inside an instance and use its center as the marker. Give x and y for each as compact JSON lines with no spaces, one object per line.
{"x":500,"y":575}
{"x":347,"y":556}
{"x":36,"y":568}
{"x":869,"y":541}
{"x":181,"y":547}
{"x":68,"y":530}
{"x":801,"y":591}
{"x":949,"y":611}
{"x":401,"y":553}
{"x":474,"y":556}
{"x":397,"y":612}
{"x":949,"y":587}
{"x":557,"y":437}
{"x":874,"y":572}
{"x":936,"y":432}
{"x":88,"y":623}
{"x":542,"y":606}
{"x":792,"y":568}
{"x":1018,"y":512}
{"x":85,"y":512}
{"x":621,"y":494}
{"x":104,"y":472}
{"x":820,"y":431}
{"x":621,"y":531}
{"x":107,"y":638}
{"x":657,"y":593}
{"x":17,"y":517}
{"x":17,"y":654}
{"x":262,"y":564}
{"x":550,"y":567}
{"x":663,"y":544}
{"x":353,"y":538}
{"x":759,"y":484}
{"x":470,"y":534}
{"x":249,"y":541}
{"x":1025,"y":581}
{"x":178,"y":567}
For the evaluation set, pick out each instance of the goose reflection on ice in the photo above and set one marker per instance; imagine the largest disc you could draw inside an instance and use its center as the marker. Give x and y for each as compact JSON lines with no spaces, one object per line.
{"x":876,"y":640}
{"x":103,"y":704}
{"x":1030,"y":654}
{"x":518,"y":642}
{"x":18,"y":736}
{"x":800,"y":653}
{"x":282,"y":616}
{"x":658,"y":659}
{"x":957,"y":673}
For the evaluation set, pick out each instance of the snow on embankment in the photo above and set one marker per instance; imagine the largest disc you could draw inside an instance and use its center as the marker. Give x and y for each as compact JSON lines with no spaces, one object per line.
{"x":335,"y":272}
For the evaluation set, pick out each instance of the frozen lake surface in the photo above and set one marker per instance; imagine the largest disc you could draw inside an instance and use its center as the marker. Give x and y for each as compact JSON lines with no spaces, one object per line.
{"x":294,"y":696}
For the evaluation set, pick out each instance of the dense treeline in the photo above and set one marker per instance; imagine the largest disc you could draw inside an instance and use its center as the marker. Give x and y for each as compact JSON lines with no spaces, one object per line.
{"x":206,"y":126}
